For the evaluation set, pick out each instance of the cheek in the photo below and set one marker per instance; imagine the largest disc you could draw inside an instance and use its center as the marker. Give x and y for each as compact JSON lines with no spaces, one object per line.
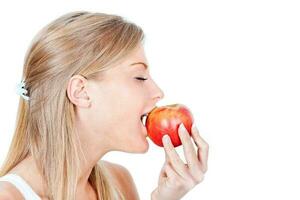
{"x":128,"y":98}
{"x":120,"y":105}
{"x":125,"y":114}
{"x":113,"y":109}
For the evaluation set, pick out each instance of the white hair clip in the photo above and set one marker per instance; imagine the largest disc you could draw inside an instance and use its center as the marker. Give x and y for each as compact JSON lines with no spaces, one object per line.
{"x":21,"y":90}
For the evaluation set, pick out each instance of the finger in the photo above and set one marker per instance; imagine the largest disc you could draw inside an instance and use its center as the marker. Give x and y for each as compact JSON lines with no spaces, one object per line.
{"x":162,"y":171}
{"x":174,"y":158}
{"x":162,"y":174}
{"x":167,"y":158}
{"x":170,"y":172}
{"x":203,"y":147}
{"x":189,"y":150}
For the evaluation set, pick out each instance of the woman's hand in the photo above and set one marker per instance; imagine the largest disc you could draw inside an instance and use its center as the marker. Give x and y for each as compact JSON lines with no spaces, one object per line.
{"x":177,"y":178}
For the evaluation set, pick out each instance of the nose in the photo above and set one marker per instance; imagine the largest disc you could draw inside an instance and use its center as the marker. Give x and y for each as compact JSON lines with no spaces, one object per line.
{"x":159,"y":94}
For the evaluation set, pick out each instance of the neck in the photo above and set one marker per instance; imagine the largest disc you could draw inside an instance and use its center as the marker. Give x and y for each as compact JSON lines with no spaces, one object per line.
{"x":93,"y":148}
{"x":91,"y":155}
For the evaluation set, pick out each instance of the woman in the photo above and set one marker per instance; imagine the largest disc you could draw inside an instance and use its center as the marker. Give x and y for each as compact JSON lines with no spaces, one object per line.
{"x":86,"y":84}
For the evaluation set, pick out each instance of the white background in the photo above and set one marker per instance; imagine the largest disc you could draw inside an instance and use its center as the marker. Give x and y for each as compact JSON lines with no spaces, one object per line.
{"x":234,"y":63}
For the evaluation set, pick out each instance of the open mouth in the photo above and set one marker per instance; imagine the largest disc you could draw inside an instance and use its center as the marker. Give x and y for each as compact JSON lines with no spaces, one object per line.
{"x":145,"y":115}
{"x":143,"y":119}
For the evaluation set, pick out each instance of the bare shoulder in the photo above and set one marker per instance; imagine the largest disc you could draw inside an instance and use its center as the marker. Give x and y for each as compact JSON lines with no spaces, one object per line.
{"x":9,"y":192}
{"x":123,"y":179}
{"x":116,"y":169}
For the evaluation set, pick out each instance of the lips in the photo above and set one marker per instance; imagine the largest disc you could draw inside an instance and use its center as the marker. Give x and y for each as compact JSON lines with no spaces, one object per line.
{"x":143,"y":124}
{"x":144,"y":116}
{"x":143,"y":119}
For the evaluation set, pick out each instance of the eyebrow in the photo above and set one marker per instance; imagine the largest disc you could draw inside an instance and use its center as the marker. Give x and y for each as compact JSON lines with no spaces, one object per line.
{"x":140,"y":63}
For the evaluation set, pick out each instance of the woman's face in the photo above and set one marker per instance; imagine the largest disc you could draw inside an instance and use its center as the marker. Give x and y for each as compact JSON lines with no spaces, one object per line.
{"x":117,"y":101}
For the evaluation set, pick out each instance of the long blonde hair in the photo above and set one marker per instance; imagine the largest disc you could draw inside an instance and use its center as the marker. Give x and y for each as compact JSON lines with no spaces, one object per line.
{"x":78,"y":42}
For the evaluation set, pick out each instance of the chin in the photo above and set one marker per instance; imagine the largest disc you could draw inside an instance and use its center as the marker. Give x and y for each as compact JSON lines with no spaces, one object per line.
{"x":146,"y":148}
{"x":139,"y":146}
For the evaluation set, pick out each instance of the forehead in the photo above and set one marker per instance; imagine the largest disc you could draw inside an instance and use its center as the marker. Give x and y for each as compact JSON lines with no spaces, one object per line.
{"x":136,"y":59}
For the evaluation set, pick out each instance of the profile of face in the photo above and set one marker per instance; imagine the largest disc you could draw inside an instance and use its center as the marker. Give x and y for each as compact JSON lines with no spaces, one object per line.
{"x":109,"y":109}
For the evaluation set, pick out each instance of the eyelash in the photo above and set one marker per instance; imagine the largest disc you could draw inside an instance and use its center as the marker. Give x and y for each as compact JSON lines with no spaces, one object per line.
{"x":141,"y":78}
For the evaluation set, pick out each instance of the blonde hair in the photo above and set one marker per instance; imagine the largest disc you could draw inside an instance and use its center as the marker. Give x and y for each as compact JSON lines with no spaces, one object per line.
{"x":78,"y":42}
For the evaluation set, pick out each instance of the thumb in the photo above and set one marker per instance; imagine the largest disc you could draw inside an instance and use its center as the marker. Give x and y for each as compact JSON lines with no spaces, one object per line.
{"x":162,"y":174}
{"x":167,"y":158}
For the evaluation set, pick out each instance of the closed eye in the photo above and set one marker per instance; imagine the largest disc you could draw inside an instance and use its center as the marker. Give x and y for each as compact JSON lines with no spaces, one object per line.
{"x":141,"y":78}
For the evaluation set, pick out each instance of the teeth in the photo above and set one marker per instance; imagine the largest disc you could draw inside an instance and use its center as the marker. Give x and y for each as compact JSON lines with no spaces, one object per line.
{"x":143,"y":119}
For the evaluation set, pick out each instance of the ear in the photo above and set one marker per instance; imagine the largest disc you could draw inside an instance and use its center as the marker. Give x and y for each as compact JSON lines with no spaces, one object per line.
{"x":77,"y":91}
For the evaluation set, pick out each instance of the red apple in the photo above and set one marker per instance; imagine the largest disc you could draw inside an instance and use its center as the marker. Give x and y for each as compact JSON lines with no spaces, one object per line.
{"x":166,"y":120}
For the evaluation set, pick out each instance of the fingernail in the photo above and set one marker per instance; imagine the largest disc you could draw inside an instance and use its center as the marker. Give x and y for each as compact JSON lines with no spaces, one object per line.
{"x":182,"y":127}
{"x":166,"y":138}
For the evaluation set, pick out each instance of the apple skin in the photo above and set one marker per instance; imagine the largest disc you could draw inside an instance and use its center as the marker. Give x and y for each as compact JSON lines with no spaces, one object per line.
{"x":166,"y":120}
